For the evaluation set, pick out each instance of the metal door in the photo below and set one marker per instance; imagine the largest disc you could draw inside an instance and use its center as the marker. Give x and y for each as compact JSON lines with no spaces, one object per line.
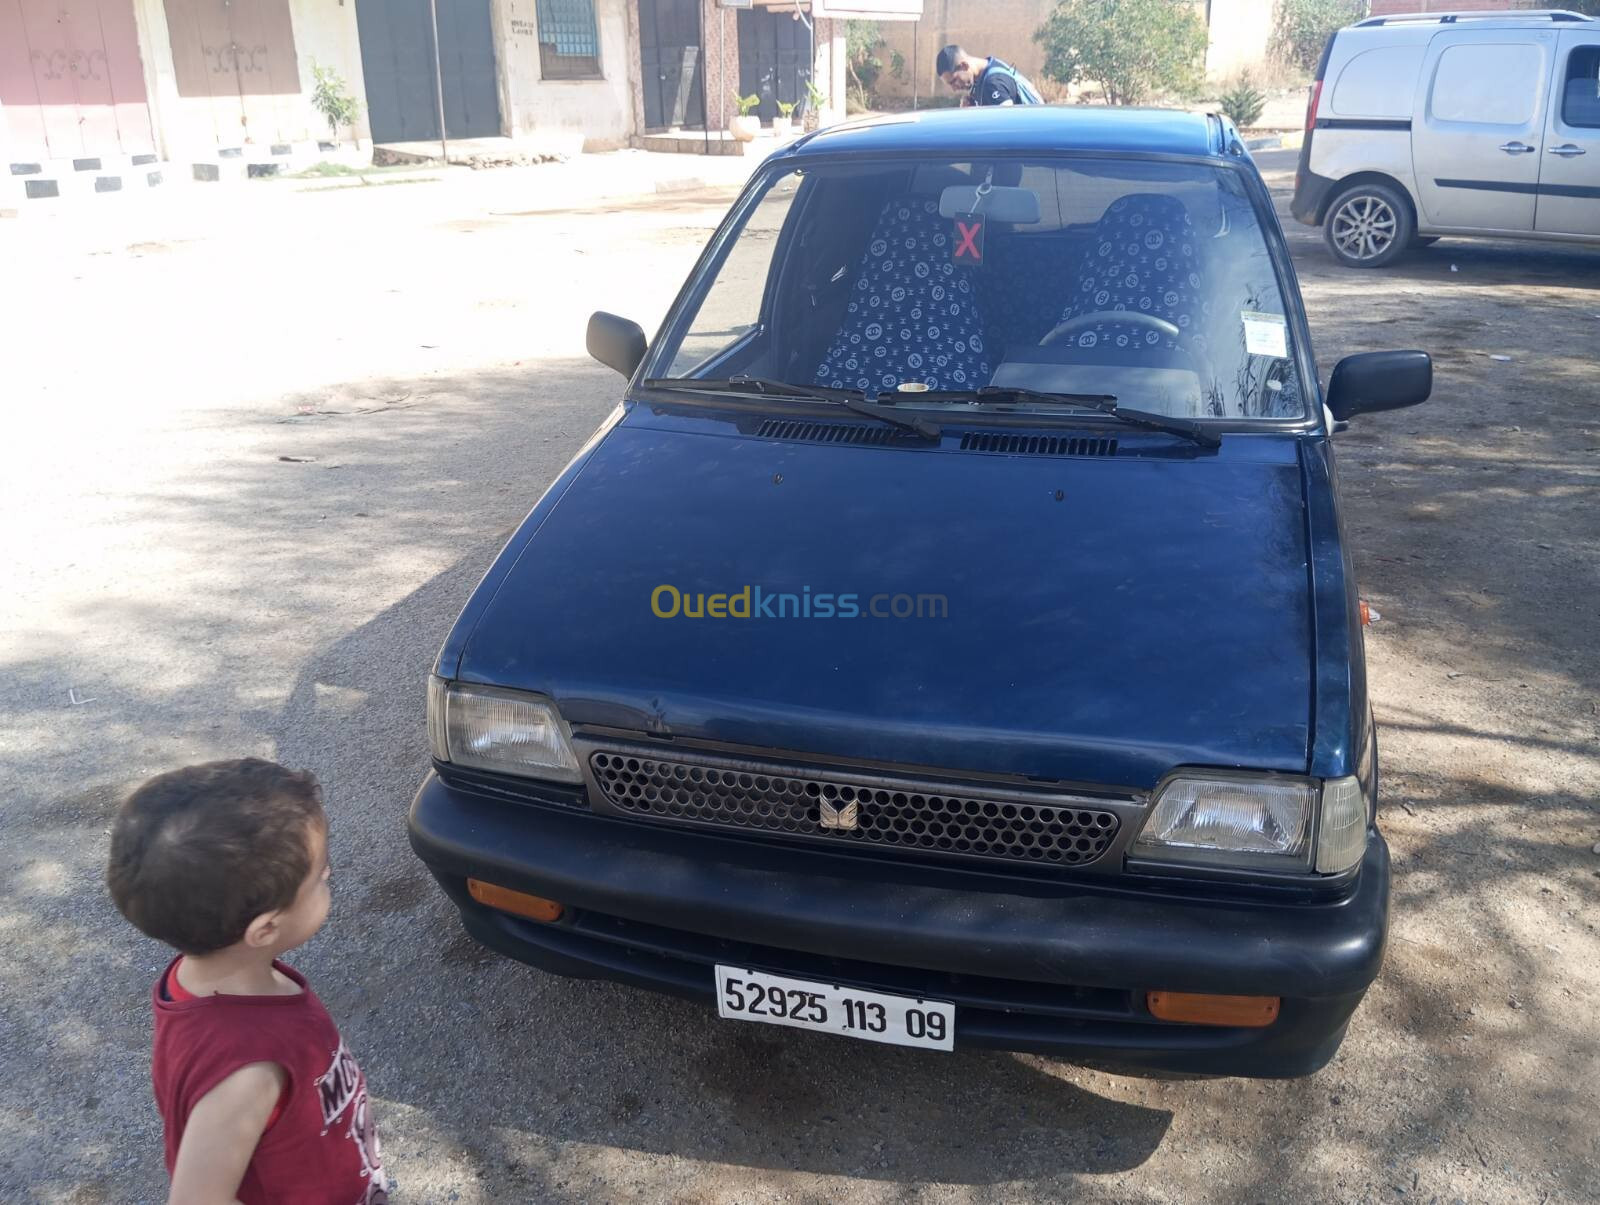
{"x":239,"y":57}
{"x":774,"y":58}
{"x":1569,"y":178}
{"x":1478,"y":128}
{"x":669,"y":64}
{"x":71,"y":81}
{"x":397,"y":60}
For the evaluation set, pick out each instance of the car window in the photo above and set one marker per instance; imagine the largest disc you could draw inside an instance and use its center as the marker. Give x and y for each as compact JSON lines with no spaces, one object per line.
{"x":1487,"y":84}
{"x":1580,"y":97}
{"x":1147,"y":279}
{"x":732,"y":307}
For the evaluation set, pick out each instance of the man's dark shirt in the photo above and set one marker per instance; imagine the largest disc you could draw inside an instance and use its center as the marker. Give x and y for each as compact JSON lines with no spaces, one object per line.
{"x":994,"y":88}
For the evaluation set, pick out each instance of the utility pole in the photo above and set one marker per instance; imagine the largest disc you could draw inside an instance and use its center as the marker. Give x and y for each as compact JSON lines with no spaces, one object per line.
{"x":438,"y":80}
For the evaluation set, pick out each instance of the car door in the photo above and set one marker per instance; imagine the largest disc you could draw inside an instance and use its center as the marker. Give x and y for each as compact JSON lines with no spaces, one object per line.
{"x":1569,"y":176}
{"x":1478,"y":128}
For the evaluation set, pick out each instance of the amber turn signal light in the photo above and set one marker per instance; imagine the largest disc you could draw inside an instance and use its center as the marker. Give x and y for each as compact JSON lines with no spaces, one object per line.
{"x":1249,"y":1012}
{"x":520,"y":903}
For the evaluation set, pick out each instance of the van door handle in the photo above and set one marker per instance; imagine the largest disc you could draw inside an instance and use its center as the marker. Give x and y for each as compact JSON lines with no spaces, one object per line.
{"x":1516,"y":148}
{"x":1567,"y":151}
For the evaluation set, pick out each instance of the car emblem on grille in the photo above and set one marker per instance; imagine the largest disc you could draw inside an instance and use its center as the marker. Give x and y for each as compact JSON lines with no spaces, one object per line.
{"x":839,"y":818}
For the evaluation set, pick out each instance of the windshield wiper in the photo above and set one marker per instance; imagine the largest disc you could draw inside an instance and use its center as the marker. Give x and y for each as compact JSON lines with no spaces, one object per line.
{"x":850,"y":399}
{"x":1105,"y":403}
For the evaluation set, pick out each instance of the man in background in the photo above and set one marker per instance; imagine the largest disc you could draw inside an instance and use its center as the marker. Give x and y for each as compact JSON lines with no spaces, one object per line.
{"x":985,"y":81}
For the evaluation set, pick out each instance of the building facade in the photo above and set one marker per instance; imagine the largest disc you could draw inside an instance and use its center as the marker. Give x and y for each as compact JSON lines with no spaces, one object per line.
{"x":115,"y":79}
{"x":105,"y":93}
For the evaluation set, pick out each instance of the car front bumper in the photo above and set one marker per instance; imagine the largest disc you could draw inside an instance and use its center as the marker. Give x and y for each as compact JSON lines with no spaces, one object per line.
{"x":1056,"y":967}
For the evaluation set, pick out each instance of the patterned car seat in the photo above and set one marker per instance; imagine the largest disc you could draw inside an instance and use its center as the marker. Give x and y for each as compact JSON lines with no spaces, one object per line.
{"x":912,"y":315}
{"x":1144,"y":256}
{"x":1023,"y":280}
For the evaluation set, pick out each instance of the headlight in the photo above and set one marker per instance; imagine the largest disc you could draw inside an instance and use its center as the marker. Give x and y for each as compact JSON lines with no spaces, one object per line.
{"x":1257,"y":823}
{"x":484,"y":728}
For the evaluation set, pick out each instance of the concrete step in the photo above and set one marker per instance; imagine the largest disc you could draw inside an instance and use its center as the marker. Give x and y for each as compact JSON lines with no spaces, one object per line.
{"x":227,"y":165}
{"x":56,"y":179}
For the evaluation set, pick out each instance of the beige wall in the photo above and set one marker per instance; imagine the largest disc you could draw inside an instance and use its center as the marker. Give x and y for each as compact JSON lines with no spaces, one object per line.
{"x":1003,"y":28}
{"x":570,"y":115}
{"x":1240,"y":31}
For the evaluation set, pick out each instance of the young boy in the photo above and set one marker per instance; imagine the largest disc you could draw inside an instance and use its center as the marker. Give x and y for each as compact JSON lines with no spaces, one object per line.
{"x":228,"y":863}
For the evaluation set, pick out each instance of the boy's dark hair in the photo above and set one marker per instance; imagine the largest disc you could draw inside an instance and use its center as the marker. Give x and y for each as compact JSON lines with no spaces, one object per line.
{"x":949,"y":59}
{"x":199,"y":853}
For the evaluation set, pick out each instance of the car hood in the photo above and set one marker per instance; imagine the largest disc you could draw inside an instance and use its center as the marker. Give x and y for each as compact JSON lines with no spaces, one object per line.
{"x":1107,"y":618}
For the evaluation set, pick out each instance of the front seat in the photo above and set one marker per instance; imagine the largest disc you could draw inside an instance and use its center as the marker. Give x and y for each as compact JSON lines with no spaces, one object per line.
{"x":912,"y":315}
{"x":1142,"y":258}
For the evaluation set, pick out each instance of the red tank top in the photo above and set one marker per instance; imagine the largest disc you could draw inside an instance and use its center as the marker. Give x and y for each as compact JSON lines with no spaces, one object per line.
{"x":321,"y":1147}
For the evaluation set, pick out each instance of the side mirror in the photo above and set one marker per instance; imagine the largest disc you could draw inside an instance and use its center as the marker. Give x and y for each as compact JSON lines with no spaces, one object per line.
{"x":615,"y":342}
{"x":1379,"y":380}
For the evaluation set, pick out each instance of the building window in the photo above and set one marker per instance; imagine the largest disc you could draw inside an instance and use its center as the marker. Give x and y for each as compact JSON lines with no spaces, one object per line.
{"x":569,"y":43}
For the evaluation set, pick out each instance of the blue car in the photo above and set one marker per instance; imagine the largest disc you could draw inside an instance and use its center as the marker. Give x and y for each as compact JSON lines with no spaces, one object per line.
{"x":949,"y":640}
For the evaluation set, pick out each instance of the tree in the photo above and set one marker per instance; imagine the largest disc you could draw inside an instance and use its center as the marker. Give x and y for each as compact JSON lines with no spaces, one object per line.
{"x":1131,"y":48}
{"x":331,"y":97}
{"x":1301,"y":28}
{"x":862,"y":40}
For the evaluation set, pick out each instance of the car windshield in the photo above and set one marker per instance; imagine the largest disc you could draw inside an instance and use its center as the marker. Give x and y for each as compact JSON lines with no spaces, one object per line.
{"x":1148,"y":281}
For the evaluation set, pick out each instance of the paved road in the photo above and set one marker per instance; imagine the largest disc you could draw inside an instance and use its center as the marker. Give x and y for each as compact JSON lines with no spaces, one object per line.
{"x":177,"y":590}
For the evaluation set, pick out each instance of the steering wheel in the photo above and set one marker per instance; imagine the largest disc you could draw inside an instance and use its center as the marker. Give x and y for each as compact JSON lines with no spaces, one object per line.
{"x":1063,"y":329}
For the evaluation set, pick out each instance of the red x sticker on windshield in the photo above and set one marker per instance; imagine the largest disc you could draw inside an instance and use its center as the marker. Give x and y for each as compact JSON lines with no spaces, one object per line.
{"x":969,"y":241}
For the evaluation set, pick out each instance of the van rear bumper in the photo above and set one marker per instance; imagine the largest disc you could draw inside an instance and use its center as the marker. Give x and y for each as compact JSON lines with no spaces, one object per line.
{"x":1312,"y":193}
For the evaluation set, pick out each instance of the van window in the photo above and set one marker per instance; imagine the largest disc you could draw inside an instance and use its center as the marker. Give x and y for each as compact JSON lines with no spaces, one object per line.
{"x":1487,"y":85}
{"x":1580,"y":98}
{"x":1378,"y":83}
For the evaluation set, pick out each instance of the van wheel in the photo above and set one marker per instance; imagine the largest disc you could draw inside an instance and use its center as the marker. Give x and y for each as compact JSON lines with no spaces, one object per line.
{"x":1368,"y":226}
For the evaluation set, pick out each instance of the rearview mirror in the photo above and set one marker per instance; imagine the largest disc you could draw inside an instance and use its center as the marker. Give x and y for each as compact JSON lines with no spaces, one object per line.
{"x":1379,"y":380}
{"x":616,"y":342}
{"x":995,"y":202}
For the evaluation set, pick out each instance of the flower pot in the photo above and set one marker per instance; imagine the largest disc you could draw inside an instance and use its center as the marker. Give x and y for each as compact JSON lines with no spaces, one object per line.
{"x":744,"y":128}
{"x":783,"y":127}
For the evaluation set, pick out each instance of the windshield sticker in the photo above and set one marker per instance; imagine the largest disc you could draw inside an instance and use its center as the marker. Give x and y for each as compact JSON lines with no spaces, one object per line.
{"x":1265,"y":334}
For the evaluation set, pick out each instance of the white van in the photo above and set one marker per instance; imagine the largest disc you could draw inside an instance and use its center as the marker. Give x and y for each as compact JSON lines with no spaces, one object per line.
{"x":1435,"y":124}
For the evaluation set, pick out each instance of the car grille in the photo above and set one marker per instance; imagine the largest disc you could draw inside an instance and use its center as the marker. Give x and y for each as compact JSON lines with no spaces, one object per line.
{"x":882,"y":812}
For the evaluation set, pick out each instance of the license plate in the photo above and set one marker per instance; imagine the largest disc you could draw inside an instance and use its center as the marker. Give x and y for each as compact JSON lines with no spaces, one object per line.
{"x":828,"y":1008}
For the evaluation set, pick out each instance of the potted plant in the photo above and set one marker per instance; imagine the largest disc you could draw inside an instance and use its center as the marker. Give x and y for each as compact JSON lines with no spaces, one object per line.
{"x":783,"y":123}
{"x":815,"y":99}
{"x":745,"y":125}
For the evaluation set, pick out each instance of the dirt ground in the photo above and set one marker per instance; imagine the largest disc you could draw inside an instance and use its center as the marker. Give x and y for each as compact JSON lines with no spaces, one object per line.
{"x":177,"y":590}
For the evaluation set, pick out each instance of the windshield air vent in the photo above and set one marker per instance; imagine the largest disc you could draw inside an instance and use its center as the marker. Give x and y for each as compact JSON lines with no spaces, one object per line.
{"x":1038,"y":445}
{"x":834,"y":433}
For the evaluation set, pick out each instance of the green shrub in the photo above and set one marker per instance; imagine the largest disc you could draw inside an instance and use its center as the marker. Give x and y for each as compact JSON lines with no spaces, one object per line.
{"x":1301,"y":28}
{"x":1243,"y":102}
{"x":1131,"y":48}
{"x":862,"y":41}
{"x":330,"y":96}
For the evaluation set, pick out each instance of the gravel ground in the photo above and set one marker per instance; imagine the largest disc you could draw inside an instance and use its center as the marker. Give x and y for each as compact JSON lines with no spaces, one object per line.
{"x":176,"y":591}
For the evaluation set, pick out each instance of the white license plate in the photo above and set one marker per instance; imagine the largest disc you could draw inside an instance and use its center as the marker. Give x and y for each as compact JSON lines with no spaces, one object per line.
{"x":828,"y":1008}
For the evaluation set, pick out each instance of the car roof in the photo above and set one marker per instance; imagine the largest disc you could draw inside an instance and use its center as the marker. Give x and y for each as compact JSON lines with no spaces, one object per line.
{"x":1020,"y":128}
